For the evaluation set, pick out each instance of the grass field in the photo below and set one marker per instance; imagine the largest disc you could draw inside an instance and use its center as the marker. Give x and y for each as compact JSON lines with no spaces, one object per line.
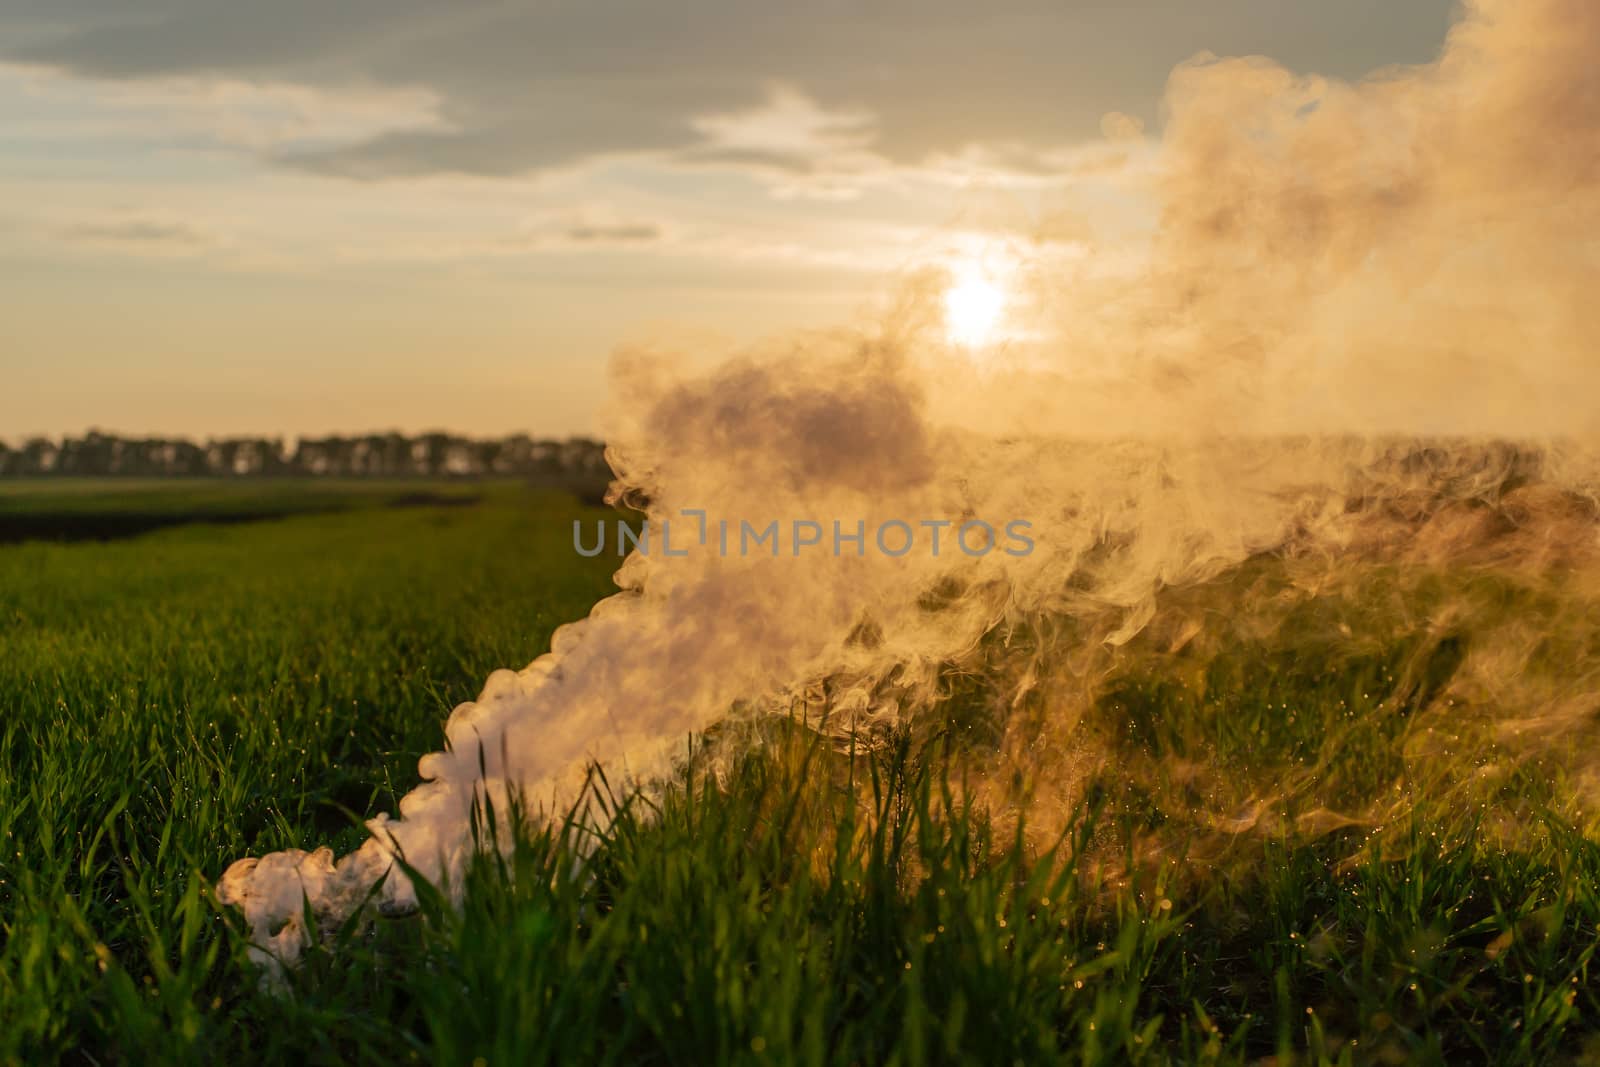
{"x":98,"y":509}
{"x":176,"y":700}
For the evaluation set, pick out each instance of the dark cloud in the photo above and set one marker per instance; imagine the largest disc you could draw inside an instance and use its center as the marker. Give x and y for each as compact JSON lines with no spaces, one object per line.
{"x":529,"y":85}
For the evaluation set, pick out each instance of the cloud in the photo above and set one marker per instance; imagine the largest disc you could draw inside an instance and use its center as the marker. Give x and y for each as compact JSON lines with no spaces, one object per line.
{"x":523,"y":86}
{"x":146,"y":232}
{"x":492,"y":146}
{"x":789,"y":131}
{"x":49,"y":107}
{"x":587,"y":226}
{"x":620,"y":233}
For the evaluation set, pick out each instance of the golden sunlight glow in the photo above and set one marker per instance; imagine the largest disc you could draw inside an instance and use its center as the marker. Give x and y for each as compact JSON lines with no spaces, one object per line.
{"x":974,"y":304}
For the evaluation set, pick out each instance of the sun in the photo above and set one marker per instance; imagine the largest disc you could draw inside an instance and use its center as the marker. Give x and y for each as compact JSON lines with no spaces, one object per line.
{"x":974,"y":305}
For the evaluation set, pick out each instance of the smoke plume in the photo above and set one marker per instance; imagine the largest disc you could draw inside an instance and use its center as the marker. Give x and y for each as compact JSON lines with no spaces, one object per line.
{"x":1355,"y":295}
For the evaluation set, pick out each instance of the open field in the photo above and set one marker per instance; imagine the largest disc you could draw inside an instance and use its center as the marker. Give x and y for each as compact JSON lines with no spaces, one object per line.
{"x":179,"y":699}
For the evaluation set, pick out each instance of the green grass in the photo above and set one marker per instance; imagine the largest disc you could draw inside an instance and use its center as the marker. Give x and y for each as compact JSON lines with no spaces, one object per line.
{"x":200,"y":498}
{"x":175,"y":701}
{"x":105,"y":509}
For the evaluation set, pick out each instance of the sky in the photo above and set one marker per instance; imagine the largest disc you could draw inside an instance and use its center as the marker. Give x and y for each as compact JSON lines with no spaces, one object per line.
{"x":230,"y":217}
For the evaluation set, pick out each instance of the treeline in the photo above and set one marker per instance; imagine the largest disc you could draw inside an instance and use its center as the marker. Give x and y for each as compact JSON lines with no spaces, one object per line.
{"x":390,"y":455}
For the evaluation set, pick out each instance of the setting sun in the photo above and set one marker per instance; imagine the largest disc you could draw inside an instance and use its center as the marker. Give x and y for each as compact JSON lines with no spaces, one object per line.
{"x":973,"y":306}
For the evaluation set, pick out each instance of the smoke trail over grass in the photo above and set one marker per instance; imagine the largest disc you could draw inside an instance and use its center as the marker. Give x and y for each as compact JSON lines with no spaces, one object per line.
{"x":1266,"y":456}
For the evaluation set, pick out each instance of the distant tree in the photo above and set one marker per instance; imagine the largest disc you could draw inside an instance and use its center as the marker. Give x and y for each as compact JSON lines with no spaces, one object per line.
{"x":40,"y":456}
{"x":387,"y":455}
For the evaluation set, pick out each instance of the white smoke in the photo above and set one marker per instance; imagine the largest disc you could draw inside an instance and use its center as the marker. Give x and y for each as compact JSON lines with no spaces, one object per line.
{"x":1338,"y":267}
